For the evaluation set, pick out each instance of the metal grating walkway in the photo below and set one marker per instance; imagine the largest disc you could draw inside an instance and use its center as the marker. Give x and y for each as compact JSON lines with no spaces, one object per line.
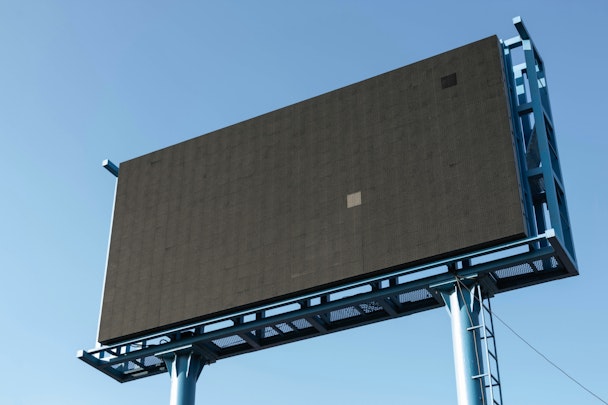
{"x":502,"y":268}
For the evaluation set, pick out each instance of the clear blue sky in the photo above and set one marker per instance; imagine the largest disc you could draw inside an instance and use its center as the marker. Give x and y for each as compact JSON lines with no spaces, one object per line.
{"x":81,"y":81}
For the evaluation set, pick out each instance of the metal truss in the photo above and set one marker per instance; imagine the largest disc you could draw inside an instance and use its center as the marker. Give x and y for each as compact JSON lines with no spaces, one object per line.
{"x":392,"y":295}
{"x":541,"y":178}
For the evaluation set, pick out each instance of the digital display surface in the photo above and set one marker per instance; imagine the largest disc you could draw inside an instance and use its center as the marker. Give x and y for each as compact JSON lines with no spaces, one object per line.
{"x":406,"y":167}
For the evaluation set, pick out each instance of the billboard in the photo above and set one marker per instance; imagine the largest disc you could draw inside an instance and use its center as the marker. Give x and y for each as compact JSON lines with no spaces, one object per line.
{"x":406,"y":167}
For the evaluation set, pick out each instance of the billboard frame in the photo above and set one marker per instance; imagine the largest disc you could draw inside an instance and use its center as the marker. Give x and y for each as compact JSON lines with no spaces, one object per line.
{"x":376,"y":299}
{"x":545,"y":256}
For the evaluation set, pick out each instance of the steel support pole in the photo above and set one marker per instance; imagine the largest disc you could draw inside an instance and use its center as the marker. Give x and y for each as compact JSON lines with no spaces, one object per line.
{"x":464,"y":312}
{"x":184,"y":368}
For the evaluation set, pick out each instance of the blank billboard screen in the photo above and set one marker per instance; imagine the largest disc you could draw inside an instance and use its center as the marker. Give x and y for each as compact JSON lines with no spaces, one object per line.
{"x":406,"y":167}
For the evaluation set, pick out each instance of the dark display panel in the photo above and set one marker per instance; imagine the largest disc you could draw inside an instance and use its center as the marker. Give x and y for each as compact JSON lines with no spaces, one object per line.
{"x":408,"y":166}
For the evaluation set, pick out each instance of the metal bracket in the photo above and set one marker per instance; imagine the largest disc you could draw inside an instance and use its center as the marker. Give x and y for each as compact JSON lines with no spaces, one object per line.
{"x":111,"y":167}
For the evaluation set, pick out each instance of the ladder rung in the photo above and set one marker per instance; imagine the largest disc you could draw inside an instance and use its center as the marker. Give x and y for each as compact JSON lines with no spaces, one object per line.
{"x":487,"y":337}
{"x":493,"y":384}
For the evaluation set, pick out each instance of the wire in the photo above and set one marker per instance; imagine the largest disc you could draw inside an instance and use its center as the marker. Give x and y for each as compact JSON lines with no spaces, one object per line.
{"x":534,"y":348}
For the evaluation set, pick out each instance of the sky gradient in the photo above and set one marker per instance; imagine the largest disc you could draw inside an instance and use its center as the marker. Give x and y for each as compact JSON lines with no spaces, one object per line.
{"x":84,"y":81}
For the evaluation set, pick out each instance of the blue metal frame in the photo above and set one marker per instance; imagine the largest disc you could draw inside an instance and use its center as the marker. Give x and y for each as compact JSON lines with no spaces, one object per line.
{"x":541,"y":179}
{"x":111,"y":167}
{"x":546,"y":254}
{"x":399,"y":293}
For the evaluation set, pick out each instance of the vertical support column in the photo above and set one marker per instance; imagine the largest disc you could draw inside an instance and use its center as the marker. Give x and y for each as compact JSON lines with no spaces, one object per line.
{"x":464,"y":312}
{"x":184,"y":366}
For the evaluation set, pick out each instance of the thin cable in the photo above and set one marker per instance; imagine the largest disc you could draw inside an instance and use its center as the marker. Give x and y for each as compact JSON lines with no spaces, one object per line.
{"x":538,"y":351}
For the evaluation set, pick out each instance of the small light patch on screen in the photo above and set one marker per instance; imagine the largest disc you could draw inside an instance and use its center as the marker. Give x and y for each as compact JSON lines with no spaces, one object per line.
{"x":354,"y":199}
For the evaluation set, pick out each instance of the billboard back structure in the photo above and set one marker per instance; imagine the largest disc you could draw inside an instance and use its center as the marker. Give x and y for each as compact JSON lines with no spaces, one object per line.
{"x":444,"y":261}
{"x":407,"y":167}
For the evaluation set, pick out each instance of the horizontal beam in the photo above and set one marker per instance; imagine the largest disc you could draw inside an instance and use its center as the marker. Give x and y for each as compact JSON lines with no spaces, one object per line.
{"x":376,"y":303}
{"x":111,"y":167}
